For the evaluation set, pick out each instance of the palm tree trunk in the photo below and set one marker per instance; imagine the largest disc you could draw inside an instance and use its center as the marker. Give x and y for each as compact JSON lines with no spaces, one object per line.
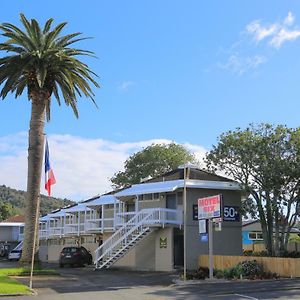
{"x":35,"y":162}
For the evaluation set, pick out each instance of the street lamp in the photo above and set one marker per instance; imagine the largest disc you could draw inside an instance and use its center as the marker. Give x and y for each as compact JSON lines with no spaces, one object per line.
{"x":186,"y":167}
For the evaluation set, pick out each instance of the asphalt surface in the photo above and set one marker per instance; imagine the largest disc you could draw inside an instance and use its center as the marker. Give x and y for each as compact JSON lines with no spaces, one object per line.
{"x":85,"y":283}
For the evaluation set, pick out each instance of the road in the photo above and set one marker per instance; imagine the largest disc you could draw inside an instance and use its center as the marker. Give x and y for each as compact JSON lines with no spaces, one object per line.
{"x":84,"y":283}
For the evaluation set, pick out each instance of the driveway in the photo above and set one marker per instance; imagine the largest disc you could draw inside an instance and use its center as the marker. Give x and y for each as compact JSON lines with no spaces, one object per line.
{"x":87,"y":284}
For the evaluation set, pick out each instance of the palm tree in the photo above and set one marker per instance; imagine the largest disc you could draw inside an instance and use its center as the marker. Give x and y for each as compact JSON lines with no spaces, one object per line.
{"x":42,"y":62}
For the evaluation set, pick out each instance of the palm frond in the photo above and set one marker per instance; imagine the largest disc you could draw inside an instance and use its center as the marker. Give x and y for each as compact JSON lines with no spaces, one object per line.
{"x":47,"y":25}
{"x":42,"y":60}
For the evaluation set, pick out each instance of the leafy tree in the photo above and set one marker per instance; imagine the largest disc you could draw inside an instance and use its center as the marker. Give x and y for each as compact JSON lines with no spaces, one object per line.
{"x":152,"y":161}
{"x":6,"y":211}
{"x":41,"y":61}
{"x":17,"y":200}
{"x":265,"y":159}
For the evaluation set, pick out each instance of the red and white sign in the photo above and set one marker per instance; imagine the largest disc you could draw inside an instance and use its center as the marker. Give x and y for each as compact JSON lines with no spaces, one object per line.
{"x":209,"y":207}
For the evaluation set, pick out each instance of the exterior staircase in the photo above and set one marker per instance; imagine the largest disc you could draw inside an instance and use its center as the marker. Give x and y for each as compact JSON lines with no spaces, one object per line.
{"x":125,"y":238}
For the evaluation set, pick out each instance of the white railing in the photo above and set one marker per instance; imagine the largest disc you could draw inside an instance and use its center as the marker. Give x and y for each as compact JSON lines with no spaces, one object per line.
{"x":56,"y":231}
{"x":133,"y":229}
{"x":122,"y":218}
{"x":120,"y":238}
{"x":74,"y":228}
{"x":159,"y":217}
{"x":43,"y":233}
{"x":99,"y":224}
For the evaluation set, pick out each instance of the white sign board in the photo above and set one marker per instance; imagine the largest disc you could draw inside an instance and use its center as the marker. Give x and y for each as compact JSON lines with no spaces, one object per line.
{"x":209,"y":207}
{"x":202,"y":226}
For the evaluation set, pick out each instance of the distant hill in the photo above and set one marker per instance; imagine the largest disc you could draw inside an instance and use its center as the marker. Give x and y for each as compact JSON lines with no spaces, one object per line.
{"x":12,"y":202}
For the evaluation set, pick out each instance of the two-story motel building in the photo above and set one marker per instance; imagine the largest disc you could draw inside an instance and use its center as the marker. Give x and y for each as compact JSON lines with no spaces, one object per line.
{"x":141,"y":227}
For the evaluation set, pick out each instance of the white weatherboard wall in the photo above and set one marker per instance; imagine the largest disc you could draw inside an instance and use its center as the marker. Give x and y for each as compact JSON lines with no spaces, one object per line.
{"x":147,"y":254}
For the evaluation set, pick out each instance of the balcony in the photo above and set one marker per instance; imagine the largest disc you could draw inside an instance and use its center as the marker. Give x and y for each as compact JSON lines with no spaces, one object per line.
{"x":159,"y":217}
{"x":91,"y":223}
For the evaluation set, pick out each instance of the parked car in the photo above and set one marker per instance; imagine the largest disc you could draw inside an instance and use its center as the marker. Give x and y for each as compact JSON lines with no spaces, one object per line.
{"x":75,"y":256}
{"x":4,"y":249}
{"x":14,"y":254}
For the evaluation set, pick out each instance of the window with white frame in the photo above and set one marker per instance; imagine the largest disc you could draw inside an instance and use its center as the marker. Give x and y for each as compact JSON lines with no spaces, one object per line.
{"x":255,"y":236}
{"x":149,"y":197}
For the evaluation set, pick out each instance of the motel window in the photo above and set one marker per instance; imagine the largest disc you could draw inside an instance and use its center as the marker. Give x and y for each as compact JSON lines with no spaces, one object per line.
{"x":180,"y":198}
{"x":149,"y":197}
{"x":255,"y":236}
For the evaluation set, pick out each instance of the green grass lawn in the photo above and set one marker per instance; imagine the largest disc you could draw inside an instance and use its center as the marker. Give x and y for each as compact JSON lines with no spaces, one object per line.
{"x":12,"y":286}
{"x":26,"y":271}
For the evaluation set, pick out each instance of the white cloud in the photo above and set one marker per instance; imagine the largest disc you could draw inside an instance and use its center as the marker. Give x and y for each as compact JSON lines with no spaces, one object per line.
{"x":289,"y":20}
{"x":259,"y":32}
{"x":283,"y":36}
{"x":239,"y":64}
{"x":82,"y":166}
{"x":125,"y":85}
{"x":278,"y":32}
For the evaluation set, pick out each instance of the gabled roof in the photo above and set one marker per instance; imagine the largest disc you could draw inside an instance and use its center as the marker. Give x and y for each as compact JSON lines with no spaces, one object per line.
{"x":102,"y":200}
{"x":15,"y":219}
{"x":173,"y":185}
{"x":194,"y":173}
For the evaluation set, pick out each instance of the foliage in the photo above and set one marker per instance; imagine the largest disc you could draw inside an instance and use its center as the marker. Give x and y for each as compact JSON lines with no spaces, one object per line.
{"x":152,"y":161}
{"x":200,"y":274}
{"x":250,"y":269}
{"x":11,"y":286}
{"x":16,"y":200}
{"x":233,"y":273}
{"x":43,"y":61}
{"x":7,"y":210}
{"x":265,"y":160}
{"x":218,"y":273}
{"x":294,"y":238}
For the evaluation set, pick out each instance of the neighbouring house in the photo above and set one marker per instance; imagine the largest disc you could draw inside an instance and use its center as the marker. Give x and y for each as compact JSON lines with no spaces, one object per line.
{"x":11,"y":233}
{"x":253,"y":239}
{"x":141,"y":227}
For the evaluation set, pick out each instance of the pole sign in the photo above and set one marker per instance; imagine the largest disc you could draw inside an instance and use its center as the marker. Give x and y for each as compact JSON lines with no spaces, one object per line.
{"x":209,"y":207}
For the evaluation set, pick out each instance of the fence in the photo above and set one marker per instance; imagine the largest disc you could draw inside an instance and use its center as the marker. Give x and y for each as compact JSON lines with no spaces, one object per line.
{"x":258,"y":247}
{"x":286,"y":267}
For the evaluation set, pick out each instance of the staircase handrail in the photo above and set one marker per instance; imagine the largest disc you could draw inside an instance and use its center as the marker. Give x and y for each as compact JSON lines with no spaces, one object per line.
{"x":122,"y":233}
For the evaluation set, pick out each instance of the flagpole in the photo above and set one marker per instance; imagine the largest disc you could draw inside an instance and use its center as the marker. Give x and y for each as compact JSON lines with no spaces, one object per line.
{"x":34,"y":242}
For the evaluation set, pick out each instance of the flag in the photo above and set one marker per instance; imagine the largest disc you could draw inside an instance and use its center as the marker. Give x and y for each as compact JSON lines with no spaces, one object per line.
{"x":49,"y":175}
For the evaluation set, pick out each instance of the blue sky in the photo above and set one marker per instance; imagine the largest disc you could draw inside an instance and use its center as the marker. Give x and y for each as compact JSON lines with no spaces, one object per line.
{"x":184,"y":71}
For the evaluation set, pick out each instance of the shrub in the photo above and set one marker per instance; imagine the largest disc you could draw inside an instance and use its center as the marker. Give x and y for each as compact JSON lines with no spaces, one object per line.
{"x":200,"y":273}
{"x":233,"y":273}
{"x":248,"y":253}
{"x":218,"y":273}
{"x":251,"y":269}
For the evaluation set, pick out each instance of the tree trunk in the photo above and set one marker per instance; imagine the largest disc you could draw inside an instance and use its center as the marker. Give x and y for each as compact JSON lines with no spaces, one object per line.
{"x":35,"y":162}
